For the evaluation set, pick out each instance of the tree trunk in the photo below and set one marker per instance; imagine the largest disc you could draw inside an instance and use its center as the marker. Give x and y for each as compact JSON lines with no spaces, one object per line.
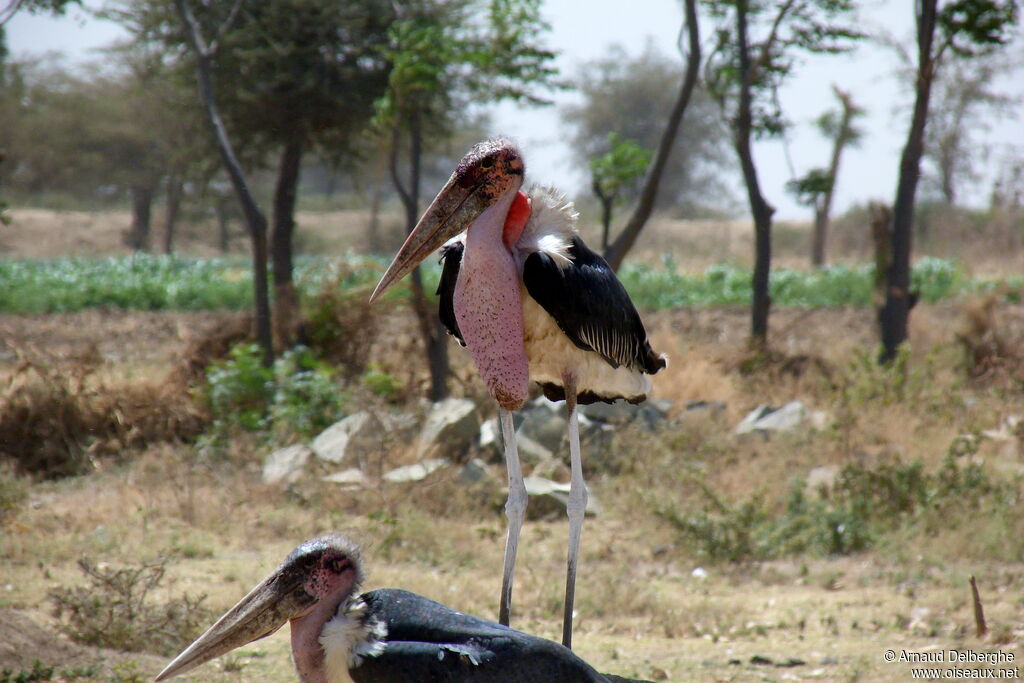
{"x":820,"y":235}
{"x":255,"y":221}
{"x":759,"y":208}
{"x":174,"y":194}
{"x":649,"y":192}
{"x":894,"y":315}
{"x":434,"y":335}
{"x":223,"y":225}
{"x":142,"y":217}
{"x":373,"y":225}
{"x":286,"y":299}
{"x":606,"y":214}
{"x":823,"y":210}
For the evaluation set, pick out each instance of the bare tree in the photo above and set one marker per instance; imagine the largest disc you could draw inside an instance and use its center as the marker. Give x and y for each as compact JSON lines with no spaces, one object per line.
{"x":255,"y":221}
{"x":755,"y":51}
{"x":616,"y":253}
{"x":817,"y":187}
{"x":966,"y":28}
{"x":966,"y":103}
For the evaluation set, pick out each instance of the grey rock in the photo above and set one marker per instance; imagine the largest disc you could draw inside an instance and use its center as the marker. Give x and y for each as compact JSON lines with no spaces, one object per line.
{"x":532,"y":452}
{"x":286,"y":464}
{"x":662,"y":405}
{"x":620,"y":412}
{"x":492,"y":446}
{"x":416,"y":472}
{"x":361,"y":431}
{"x":402,"y":426}
{"x":544,"y":422}
{"x":547,"y":497}
{"x":474,"y":472}
{"x":764,"y":418}
{"x":353,"y":477}
{"x":597,"y":446}
{"x":451,"y":428}
{"x":705,"y":407}
{"x":490,"y":436}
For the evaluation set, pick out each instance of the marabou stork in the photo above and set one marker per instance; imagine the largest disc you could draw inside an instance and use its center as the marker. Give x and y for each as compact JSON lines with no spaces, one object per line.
{"x":384,"y":636}
{"x":531,"y":301}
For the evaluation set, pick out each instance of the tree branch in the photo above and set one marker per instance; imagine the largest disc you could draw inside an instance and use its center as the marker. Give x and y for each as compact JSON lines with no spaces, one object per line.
{"x":649,"y":192}
{"x":396,"y":179}
{"x":773,"y":35}
{"x":8,"y":12}
{"x":225,"y":27}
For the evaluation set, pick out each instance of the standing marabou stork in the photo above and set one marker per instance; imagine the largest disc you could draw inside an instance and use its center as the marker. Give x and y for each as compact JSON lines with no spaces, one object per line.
{"x":384,"y":636}
{"x":530,"y":300}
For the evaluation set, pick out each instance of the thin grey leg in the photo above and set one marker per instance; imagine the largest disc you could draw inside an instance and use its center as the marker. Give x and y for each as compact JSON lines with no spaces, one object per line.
{"x":515,"y":510}
{"x":576,"y":507}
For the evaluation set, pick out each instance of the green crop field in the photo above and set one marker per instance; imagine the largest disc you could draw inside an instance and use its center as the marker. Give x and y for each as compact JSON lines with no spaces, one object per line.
{"x":154,"y":283}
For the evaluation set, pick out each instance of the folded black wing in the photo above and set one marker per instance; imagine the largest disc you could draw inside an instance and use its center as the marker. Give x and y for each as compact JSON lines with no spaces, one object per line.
{"x":427,"y":641}
{"x":591,"y":307}
{"x":451,"y":256}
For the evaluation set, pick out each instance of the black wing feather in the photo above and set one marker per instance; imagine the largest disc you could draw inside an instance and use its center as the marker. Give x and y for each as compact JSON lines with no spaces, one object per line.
{"x":451,"y":256}
{"x":591,"y":307}
{"x":427,"y":641}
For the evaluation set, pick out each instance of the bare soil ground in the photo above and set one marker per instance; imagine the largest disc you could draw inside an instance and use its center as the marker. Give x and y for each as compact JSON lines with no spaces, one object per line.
{"x":644,"y":609}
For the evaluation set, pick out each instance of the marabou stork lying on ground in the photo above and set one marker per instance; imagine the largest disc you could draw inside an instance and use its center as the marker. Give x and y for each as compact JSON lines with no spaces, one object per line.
{"x":384,"y":636}
{"x":530,"y":300}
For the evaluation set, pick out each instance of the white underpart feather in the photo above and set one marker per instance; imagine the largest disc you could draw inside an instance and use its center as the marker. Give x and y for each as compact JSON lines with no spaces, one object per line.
{"x":550,"y":228}
{"x":349,"y":637}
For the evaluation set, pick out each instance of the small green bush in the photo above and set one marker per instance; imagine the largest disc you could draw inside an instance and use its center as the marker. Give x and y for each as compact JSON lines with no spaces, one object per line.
{"x":38,"y":672}
{"x":146,"y":282}
{"x":864,"y":504}
{"x":297,"y":396}
{"x":13,"y":491}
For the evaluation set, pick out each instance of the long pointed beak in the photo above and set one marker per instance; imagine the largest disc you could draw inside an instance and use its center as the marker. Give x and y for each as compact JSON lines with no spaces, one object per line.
{"x":451,"y":212}
{"x":263,"y":611}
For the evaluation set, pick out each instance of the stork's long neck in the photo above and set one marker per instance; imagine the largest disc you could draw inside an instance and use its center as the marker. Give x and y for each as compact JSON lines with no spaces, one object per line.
{"x":307,"y":651}
{"x":489,"y":309}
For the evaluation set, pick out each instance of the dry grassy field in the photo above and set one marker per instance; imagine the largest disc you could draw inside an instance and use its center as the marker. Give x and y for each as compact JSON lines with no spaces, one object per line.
{"x":763,"y":613}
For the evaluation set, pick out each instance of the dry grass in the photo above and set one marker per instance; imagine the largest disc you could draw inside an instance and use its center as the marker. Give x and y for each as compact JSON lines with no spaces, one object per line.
{"x":991,"y":250}
{"x":642,"y":610}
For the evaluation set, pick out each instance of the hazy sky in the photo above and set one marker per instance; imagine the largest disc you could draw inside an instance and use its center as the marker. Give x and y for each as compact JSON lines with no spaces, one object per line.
{"x":582,"y":30}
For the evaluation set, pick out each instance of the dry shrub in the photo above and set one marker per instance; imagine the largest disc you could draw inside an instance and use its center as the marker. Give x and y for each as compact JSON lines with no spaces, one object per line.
{"x":58,"y":418}
{"x":116,"y":610}
{"x":213,"y":346}
{"x":773,"y":367}
{"x":992,"y":340}
{"x":341,"y":325}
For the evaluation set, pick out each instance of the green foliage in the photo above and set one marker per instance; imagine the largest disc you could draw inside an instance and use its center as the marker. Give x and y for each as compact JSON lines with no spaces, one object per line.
{"x":972,"y":26}
{"x":150,"y":283}
{"x":297,"y":396}
{"x":138,"y":282}
{"x":38,"y":672}
{"x":835,"y":285}
{"x":116,"y":610}
{"x":41,"y":672}
{"x":381,"y":382}
{"x":13,"y":491}
{"x":775,"y":35}
{"x":444,"y":59}
{"x":632,"y":95}
{"x":807,"y":188}
{"x":620,"y":168}
{"x":862,"y":505}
